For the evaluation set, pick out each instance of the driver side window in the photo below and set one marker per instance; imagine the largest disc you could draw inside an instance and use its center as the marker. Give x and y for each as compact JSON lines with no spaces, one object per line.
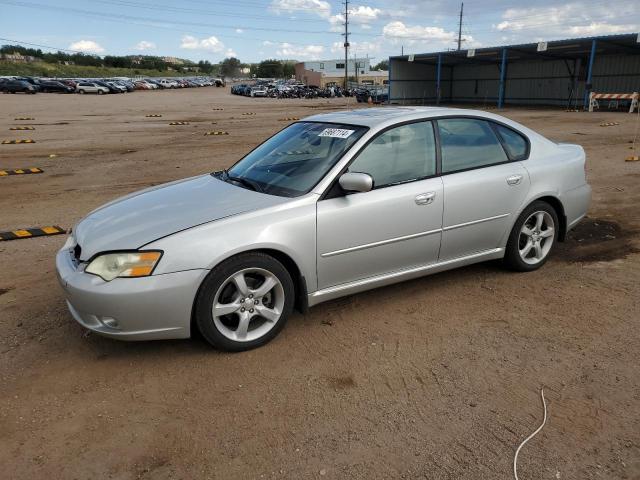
{"x":399,"y":155}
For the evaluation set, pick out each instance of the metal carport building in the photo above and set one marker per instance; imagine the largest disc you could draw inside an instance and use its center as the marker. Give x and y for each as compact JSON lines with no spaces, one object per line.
{"x":559,"y":73}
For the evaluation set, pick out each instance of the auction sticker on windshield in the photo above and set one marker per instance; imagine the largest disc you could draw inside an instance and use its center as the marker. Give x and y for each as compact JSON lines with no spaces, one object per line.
{"x":335,"y":132}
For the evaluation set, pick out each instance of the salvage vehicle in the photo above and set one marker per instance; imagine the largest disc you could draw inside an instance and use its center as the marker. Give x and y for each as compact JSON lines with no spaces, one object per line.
{"x":47,"y":86}
{"x":332,"y":205}
{"x":15,"y":86}
{"x":91,"y":87}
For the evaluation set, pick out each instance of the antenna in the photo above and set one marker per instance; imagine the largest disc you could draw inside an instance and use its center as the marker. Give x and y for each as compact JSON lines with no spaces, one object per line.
{"x":346,"y":43}
{"x":460,"y":26}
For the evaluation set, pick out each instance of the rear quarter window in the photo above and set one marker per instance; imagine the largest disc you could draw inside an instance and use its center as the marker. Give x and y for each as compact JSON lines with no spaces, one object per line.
{"x":514,"y":143}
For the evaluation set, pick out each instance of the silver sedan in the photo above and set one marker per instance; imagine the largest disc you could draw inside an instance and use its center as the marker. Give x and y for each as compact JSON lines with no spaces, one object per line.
{"x":332,"y":205}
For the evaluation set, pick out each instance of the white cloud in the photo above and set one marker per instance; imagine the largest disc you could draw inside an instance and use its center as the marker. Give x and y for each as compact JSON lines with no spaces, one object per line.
{"x":144,"y":45}
{"x":571,"y":19}
{"x":211,"y":44}
{"x":239,"y":30}
{"x":268,"y":43}
{"x":230,"y":53}
{"x":318,"y":7}
{"x":364,"y":14}
{"x":311,"y":52}
{"x":87,"y":46}
{"x":399,"y":30}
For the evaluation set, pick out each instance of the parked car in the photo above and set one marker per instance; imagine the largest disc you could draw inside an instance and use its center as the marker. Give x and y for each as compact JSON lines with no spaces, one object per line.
{"x":91,"y":87}
{"x":15,"y":86}
{"x":330,"y":206}
{"x":258,"y":91}
{"x":31,"y":80}
{"x":47,"y":86}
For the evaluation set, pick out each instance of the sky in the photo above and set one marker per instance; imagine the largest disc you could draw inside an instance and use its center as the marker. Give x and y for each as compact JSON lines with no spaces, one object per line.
{"x":253,"y":30}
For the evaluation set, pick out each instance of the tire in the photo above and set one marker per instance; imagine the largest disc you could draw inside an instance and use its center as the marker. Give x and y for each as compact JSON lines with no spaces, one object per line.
{"x":223,"y":330}
{"x":532,"y":238}
{"x":100,"y":92}
{"x":81,"y":92}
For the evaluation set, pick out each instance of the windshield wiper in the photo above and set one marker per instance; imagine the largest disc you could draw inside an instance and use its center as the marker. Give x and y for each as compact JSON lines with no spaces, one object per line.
{"x":243,"y":181}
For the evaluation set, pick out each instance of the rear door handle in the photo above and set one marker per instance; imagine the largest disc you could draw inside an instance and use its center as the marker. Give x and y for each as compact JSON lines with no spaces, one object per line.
{"x":425,"y":198}
{"x":514,"y":179}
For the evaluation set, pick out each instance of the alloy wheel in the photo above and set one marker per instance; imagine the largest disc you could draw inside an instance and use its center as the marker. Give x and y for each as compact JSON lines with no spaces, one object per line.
{"x":248,"y":304}
{"x":536,"y":237}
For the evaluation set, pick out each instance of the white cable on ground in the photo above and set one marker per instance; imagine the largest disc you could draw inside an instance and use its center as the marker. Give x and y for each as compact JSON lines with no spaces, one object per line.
{"x":544,"y":420}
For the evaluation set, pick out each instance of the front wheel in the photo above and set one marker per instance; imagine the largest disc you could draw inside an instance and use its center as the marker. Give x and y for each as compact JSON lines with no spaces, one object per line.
{"x":100,"y":92}
{"x":244,"y":302}
{"x":81,"y":92}
{"x":532,"y":238}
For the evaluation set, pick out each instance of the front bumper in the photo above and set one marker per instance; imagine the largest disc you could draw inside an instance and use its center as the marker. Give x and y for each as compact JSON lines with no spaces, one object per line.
{"x":146,"y":308}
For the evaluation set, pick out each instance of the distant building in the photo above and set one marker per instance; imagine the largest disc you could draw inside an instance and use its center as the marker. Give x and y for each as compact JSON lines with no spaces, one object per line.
{"x":173,"y":60}
{"x":19,"y":58}
{"x":323,"y":73}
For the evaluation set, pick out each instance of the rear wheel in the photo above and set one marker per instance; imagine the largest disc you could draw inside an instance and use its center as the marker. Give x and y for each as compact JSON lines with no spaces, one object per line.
{"x":532,"y":238}
{"x":81,"y":92}
{"x":244,"y":302}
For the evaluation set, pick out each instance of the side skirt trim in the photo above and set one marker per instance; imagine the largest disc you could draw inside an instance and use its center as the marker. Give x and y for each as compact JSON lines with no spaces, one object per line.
{"x":400,"y":275}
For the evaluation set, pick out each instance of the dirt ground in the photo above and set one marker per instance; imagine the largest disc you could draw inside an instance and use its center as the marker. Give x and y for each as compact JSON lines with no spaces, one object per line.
{"x":434,"y":378}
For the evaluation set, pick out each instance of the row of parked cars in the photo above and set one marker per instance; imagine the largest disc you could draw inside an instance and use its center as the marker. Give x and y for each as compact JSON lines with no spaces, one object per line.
{"x":32,"y":85}
{"x":283,"y":89}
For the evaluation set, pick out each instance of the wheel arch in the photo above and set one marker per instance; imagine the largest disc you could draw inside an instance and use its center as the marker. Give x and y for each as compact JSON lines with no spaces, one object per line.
{"x":556,"y":204}
{"x":299,"y":282}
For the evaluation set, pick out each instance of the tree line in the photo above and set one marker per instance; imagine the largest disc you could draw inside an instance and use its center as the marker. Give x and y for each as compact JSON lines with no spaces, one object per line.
{"x":229,"y":67}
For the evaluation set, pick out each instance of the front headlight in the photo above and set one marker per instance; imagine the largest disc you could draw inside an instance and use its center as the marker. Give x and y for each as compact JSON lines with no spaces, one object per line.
{"x":124,"y":264}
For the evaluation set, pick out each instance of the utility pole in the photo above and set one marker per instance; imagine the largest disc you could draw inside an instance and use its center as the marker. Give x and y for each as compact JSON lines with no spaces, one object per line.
{"x":460,"y":27}
{"x":346,"y":44}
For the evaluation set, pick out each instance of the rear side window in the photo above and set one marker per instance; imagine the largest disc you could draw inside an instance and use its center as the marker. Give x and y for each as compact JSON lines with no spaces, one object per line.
{"x":514,"y":143}
{"x":468,"y":143}
{"x":399,"y":155}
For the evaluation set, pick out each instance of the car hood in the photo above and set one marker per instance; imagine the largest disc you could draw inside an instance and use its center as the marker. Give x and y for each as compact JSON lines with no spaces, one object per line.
{"x":139,"y":218}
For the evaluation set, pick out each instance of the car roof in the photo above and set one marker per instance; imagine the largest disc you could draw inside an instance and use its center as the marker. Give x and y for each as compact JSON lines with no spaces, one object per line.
{"x":378,"y":116}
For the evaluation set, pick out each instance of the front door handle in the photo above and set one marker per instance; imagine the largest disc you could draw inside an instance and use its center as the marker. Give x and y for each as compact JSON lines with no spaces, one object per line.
{"x":425,"y":198}
{"x":514,"y":179}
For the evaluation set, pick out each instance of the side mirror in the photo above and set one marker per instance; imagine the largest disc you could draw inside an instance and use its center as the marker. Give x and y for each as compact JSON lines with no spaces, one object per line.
{"x":356,"y":182}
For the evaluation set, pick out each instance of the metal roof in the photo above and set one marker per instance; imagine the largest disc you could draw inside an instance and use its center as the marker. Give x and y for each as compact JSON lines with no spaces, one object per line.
{"x":567,"y":49}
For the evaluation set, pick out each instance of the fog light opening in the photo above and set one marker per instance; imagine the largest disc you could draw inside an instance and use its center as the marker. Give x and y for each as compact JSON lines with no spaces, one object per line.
{"x":110,"y":322}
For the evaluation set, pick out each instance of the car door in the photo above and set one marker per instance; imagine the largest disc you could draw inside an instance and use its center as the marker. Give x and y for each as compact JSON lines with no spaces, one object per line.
{"x":396,"y":225}
{"x":484,"y":186}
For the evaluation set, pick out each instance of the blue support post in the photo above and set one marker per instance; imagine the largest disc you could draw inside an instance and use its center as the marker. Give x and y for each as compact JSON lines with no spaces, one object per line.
{"x":438,"y":79}
{"x":503,"y":76}
{"x":587,"y":87}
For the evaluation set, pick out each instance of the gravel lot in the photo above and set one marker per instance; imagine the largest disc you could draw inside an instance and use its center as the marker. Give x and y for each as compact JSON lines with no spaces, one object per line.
{"x":435,"y":378}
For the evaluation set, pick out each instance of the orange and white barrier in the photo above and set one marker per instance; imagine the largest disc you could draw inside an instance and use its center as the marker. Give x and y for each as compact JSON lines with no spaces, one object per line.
{"x":614,"y":99}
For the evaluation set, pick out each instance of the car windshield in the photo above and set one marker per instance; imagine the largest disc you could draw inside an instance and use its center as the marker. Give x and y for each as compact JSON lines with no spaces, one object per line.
{"x":294,"y":160}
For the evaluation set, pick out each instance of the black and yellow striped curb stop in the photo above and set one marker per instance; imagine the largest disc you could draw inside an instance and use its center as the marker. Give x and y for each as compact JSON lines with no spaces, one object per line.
{"x":31,"y":232}
{"x":609,"y":124}
{"x":22,"y":128}
{"x":179,"y":123}
{"x":632,"y":158}
{"x":288,"y":119}
{"x":153,"y":115}
{"x":20,"y":171}
{"x":15,"y":142}
{"x":249,"y":113}
{"x":217,"y":133}
{"x":24,"y":118}
{"x":218,"y":109}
